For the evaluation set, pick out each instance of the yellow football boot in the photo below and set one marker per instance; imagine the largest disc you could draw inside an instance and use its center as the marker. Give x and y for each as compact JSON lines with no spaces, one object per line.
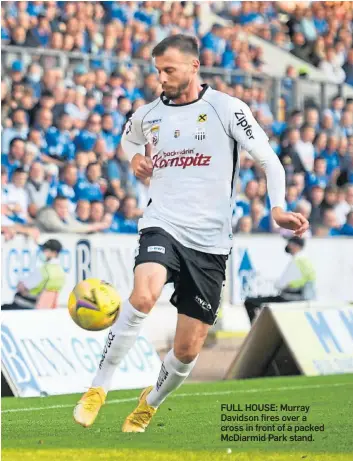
{"x":140,"y":418}
{"x":88,"y":407}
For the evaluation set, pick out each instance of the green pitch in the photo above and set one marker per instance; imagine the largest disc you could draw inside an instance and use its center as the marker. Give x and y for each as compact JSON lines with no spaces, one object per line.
{"x":188,"y":425}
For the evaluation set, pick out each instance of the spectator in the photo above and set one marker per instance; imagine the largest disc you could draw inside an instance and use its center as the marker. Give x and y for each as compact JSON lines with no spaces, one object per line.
{"x":300,"y":48}
{"x":13,"y":160}
{"x":320,"y":143}
{"x":307,"y":26}
{"x":250,"y":193}
{"x":318,"y":52}
{"x":83,"y":211}
{"x":244,"y":225}
{"x":317,"y":194}
{"x":111,"y":204}
{"x":257,"y":213}
{"x":58,"y":219}
{"x":345,"y":127}
{"x":330,"y":155}
{"x":87,"y":138}
{"x":291,"y":197}
{"x":318,"y":176}
{"x":342,"y":209}
{"x":60,"y":147}
{"x":67,"y":186}
{"x":129,"y":86}
{"x":347,"y":228}
{"x":97,"y":212}
{"x":37,"y":189}
{"x":289,"y":156}
{"x":126,"y":221}
{"x":17,"y":197}
{"x":90,"y":189}
{"x":348,"y":67}
{"x":331,"y":68}
{"x":109,"y":135}
{"x":331,"y":222}
{"x":330,"y":198}
{"x":305,"y":147}
{"x":19,"y":129}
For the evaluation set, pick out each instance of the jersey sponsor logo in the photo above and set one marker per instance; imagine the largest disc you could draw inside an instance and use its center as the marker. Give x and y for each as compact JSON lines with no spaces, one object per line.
{"x":200,"y":134}
{"x":240,"y":116}
{"x":183,"y":162}
{"x":176,"y":133}
{"x":156,"y":249}
{"x":152,"y":122}
{"x":202,"y":303}
{"x":202,"y":118}
{"x":155,"y":134}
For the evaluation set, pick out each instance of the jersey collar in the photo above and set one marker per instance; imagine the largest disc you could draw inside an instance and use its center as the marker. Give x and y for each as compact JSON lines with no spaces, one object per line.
{"x":168,"y":102}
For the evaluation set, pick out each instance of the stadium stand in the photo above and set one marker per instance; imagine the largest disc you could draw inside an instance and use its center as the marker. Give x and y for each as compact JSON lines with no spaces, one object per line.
{"x":74,"y":72}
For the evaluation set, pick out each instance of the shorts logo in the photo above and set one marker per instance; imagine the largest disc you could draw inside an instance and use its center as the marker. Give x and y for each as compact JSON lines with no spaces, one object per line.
{"x":202,"y":118}
{"x":200,"y":134}
{"x":206,"y":306}
{"x":155,"y":134}
{"x":156,"y":249}
{"x":240,"y":116}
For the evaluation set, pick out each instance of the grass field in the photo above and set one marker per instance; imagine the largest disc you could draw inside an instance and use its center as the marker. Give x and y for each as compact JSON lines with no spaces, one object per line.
{"x":188,"y":425}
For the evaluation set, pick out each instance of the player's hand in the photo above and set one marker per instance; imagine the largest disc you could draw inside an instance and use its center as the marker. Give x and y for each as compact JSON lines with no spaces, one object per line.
{"x":142,"y":166}
{"x":290,"y":220}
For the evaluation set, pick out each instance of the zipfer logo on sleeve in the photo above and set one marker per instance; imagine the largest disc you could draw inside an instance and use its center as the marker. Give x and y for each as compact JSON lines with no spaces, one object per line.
{"x":240,"y":116}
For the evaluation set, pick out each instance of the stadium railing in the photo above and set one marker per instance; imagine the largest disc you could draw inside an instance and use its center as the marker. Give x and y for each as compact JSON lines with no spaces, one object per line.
{"x":301,"y":92}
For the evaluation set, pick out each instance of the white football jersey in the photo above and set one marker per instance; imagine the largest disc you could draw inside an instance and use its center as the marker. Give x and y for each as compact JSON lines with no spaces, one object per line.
{"x":195,"y":155}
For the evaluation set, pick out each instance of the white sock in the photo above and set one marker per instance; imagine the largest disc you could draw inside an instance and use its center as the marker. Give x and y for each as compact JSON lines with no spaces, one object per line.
{"x":172,"y":375}
{"x":121,"y":338}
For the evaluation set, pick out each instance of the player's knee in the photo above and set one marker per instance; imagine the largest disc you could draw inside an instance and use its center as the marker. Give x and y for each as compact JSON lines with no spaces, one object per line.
{"x":143,"y":302}
{"x":186,"y":352}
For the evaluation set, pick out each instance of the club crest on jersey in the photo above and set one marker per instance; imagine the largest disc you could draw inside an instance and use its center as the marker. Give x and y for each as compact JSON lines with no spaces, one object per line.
{"x":200,"y":134}
{"x":155,"y":134}
{"x":176,"y":133}
{"x":202,"y":118}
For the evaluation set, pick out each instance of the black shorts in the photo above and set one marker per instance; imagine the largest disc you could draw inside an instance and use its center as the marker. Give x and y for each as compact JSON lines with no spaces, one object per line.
{"x":198,"y":277}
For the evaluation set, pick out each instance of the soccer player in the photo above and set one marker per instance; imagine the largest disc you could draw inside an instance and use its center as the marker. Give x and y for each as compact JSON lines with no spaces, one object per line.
{"x":196,"y":134}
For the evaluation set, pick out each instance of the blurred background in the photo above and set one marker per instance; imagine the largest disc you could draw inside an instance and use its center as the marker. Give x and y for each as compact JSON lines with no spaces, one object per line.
{"x":74,"y":72}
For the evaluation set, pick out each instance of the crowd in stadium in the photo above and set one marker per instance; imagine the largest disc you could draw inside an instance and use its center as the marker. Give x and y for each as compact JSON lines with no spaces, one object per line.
{"x":63,"y":169}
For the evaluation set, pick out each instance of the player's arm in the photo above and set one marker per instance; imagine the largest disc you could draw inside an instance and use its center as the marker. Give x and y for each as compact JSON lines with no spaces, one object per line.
{"x":133,"y":143}
{"x":248,"y":133}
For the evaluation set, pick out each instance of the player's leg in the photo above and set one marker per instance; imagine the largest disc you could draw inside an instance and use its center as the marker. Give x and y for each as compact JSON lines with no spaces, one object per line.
{"x":149,"y":280}
{"x":197,"y":298}
{"x":177,"y":365}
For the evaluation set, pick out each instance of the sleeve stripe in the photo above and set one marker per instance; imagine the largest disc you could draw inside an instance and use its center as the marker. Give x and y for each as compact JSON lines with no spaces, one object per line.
{"x":143,"y":118}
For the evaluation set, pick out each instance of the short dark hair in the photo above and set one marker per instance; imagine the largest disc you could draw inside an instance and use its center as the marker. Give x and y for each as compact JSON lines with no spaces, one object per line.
{"x":19,"y":171}
{"x":60,"y":197}
{"x":185,"y":43}
{"x":94,"y":202}
{"x":90,"y":165}
{"x":12,"y":142}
